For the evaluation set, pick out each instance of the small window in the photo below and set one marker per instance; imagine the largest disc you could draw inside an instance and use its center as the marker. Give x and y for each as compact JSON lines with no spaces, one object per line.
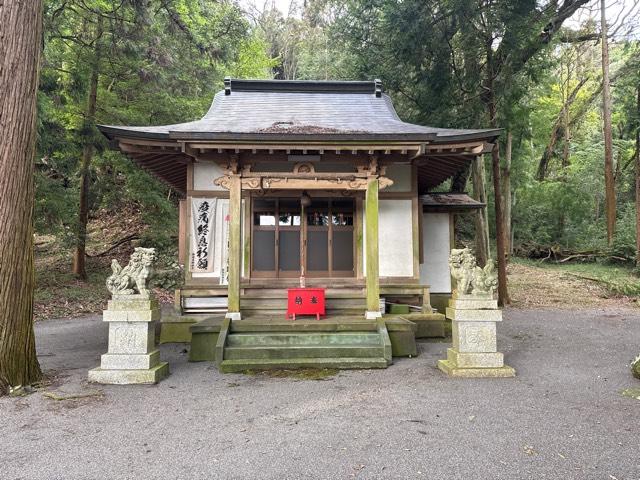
{"x":288,"y":219}
{"x":318,"y":219}
{"x":264,"y":219}
{"x":342,"y":219}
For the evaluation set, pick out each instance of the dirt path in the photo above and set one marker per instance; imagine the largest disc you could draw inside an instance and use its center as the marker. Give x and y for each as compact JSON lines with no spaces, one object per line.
{"x":532,"y":287}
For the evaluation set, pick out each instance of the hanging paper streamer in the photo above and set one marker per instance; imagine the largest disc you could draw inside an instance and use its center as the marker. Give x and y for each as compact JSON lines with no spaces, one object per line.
{"x":203,"y":213}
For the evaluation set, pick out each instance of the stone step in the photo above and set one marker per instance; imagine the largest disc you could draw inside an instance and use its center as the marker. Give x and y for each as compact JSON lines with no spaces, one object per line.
{"x":231,"y":366}
{"x":281,"y":312}
{"x":303,"y":351}
{"x":306,"y":338}
{"x":303,"y":324}
{"x":281,"y":303}
{"x":248,"y":293}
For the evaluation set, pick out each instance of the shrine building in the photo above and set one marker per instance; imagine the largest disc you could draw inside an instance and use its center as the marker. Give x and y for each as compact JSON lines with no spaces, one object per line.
{"x":307,"y":195}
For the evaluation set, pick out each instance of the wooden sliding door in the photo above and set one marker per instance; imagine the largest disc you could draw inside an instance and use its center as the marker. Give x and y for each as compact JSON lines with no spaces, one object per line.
{"x":277,"y":240}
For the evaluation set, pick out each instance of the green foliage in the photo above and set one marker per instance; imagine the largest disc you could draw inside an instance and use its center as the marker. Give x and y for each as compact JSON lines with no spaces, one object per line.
{"x":160,"y":62}
{"x":157,"y":63}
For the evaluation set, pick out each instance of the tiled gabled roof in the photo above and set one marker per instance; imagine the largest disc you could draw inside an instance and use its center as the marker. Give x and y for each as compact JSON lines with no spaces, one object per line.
{"x":289,"y":109}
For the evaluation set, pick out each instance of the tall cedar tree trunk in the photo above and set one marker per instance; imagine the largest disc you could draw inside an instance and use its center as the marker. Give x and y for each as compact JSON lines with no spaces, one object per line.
{"x":565,"y":120}
{"x":506,"y":194}
{"x":609,"y":181}
{"x":638,"y":182}
{"x":483,"y":251}
{"x":491,"y":102}
{"x":79,"y":255}
{"x":20,"y":48}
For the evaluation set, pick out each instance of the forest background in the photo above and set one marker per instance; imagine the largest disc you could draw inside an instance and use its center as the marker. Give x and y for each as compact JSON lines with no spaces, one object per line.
{"x":532,"y":68}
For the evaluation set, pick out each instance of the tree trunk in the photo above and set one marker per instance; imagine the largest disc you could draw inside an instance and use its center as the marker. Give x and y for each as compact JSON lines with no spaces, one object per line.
{"x":79,"y":255}
{"x":609,"y":182}
{"x":638,"y":183}
{"x":503,"y":292}
{"x":506,"y":194}
{"x":490,"y":101}
{"x":567,"y":131}
{"x":20,"y":50}
{"x":481,"y":221}
{"x":562,"y":124}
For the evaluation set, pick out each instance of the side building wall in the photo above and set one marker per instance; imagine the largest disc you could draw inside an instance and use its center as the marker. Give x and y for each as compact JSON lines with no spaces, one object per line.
{"x":437,"y":238}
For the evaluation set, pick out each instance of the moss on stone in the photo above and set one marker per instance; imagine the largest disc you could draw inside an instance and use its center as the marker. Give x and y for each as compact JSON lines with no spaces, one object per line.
{"x":631,"y":393}
{"x":635,"y":367}
{"x":297,"y":374}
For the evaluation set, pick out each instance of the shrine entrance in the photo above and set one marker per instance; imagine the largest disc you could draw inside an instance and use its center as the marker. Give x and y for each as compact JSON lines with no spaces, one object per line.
{"x":286,"y":237}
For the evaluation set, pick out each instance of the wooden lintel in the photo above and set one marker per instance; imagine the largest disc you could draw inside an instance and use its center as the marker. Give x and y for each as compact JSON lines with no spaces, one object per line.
{"x":272,"y":182}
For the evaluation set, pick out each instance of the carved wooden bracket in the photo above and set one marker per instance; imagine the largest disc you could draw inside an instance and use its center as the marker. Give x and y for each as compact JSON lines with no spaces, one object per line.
{"x":285,"y":181}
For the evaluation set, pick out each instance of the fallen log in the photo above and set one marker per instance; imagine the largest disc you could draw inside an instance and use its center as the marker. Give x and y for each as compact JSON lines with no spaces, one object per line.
{"x":128,"y":238}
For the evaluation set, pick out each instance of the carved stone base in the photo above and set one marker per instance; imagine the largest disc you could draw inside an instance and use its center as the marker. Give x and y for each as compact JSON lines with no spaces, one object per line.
{"x":129,"y":377}
{"x":486,"y":372}
{"x":473,"y":329}
{"x":132,"y":355}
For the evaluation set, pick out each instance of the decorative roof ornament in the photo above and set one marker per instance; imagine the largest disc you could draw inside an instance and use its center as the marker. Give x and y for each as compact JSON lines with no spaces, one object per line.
{"x":134,"y":278}
{"x":471,"y":279}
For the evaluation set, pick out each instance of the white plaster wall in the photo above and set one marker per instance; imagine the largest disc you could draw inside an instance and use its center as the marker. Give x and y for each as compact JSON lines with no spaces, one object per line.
{"x":395,"y":236}
{"x":204,"y":173}
{"x":401,"y":176}
{"x":436,"y":244}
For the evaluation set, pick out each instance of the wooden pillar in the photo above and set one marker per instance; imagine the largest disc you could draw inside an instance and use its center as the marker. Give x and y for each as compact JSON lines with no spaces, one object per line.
{"x":371,"y":243}
{"x":235,"y":247}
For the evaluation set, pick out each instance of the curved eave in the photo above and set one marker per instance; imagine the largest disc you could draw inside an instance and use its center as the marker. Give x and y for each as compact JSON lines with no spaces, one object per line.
{"x":434,"y":138}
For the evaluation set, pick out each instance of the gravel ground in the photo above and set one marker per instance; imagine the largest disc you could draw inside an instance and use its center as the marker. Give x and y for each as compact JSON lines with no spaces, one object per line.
{"x":563,"y":416}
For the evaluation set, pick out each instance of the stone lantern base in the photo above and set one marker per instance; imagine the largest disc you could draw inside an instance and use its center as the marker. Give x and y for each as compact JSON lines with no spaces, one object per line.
{"x":474,"y":352}
{"x":132,"y":356}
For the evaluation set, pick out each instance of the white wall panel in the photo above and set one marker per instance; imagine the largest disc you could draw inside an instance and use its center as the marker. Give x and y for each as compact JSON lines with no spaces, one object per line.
{"x":436,"y":243}
{"x":395,"y":233}
{"x":204,"y":173}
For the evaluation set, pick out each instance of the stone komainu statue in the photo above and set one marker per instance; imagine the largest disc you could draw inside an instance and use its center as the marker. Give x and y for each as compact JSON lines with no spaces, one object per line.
{"x":134,"y":278}
{"x":471,"y":279}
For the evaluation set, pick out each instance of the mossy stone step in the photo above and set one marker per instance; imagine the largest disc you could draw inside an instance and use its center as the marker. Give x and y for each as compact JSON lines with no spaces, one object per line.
{"x":237,"y":366}
{"x":305,"y":338}
{"x":259,"y":310}
{"x":303,"y":325}
{"x":331,"y":303}
{"x":303,"y":351}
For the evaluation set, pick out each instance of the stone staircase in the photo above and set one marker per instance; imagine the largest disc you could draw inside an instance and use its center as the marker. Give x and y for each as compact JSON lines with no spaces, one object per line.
{"x":280,"y":344}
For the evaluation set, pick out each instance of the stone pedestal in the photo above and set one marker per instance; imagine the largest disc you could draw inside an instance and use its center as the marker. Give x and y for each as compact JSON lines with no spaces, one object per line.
{"x":132,"y":356}
{"x":474,"y":353}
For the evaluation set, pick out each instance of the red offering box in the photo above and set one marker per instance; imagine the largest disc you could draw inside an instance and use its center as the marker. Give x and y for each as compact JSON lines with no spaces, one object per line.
{"x":305,"y":301}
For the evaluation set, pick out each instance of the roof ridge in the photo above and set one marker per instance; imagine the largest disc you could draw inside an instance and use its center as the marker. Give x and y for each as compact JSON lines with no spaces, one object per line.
{"x":303,"y":86}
